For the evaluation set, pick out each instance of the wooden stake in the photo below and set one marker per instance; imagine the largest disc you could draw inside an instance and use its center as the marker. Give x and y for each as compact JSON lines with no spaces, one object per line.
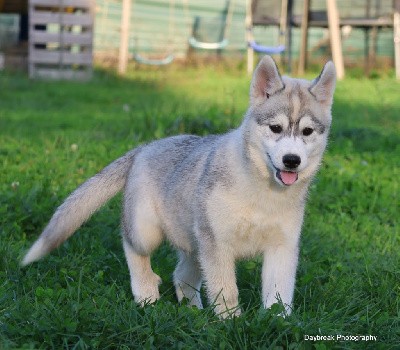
{"x":334,"y":33}
{"x":304,"y":37}
{"x":249,"y":37}
{"x":124,"y":41}
{"x":396,"y":30}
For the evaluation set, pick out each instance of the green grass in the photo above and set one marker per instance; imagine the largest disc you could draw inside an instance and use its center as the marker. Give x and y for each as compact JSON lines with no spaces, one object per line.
{"x":54,"y":135}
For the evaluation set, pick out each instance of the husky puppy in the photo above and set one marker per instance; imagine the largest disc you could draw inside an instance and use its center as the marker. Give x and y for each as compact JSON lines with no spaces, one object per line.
{"x":216,"y":198}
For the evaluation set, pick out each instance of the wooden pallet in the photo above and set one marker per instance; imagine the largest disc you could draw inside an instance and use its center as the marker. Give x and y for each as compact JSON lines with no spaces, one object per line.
{"x":61,"y":39}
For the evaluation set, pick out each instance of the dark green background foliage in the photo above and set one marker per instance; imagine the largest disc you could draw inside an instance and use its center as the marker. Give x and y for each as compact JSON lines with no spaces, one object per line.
{"x":54,"y":135}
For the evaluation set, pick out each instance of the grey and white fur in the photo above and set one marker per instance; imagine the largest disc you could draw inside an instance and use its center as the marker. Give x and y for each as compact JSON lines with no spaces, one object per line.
{"x":216,"y":198}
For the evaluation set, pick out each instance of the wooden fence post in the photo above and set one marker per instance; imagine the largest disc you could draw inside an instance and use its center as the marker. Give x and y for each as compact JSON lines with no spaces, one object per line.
{"x":124,"y":41}
{"x":304,"y":38}
{"x":334,"y":33}
{"x":396,"y":37}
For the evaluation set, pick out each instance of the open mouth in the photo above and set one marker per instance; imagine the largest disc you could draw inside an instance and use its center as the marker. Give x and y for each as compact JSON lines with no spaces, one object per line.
{"x":286,"y":177}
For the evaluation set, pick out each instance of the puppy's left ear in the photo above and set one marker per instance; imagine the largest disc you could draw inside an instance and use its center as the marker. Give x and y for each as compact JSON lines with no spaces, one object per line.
{"x":266,"y":80}
{"x":323,"y":87}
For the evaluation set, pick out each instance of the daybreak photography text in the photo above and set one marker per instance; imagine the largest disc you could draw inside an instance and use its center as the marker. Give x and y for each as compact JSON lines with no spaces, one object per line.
{"x":340,"y":337}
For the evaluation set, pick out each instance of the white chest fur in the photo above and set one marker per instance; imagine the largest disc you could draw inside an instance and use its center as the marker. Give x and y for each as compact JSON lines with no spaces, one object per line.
{"x":247,"y":222}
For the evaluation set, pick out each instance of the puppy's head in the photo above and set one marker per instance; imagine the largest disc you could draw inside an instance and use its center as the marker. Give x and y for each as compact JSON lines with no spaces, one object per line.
{"x":288,"y":121}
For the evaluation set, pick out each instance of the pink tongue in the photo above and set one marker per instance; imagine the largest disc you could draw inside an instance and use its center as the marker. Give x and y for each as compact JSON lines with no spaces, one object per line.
{"x":288,"y":178}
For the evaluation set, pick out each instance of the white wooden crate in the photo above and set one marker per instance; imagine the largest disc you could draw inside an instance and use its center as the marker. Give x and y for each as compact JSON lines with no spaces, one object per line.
{"x":61,"y":39}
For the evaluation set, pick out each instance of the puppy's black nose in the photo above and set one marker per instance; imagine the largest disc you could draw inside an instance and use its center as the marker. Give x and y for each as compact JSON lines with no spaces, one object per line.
{"x":291,"y":161}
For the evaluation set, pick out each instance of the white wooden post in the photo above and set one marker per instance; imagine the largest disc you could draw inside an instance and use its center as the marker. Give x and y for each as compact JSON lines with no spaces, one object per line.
{"x":396,"y":32}
{"x":304,"y":37}
{"x":124,"y":41}
{"x":334,"y":33}
{"x":249,"y":36}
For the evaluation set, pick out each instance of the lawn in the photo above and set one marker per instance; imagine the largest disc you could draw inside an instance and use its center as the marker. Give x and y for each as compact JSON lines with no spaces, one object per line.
{"x":54,"y":135}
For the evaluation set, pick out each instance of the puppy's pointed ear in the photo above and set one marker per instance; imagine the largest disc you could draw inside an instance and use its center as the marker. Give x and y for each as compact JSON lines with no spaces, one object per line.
{"x":266,"y":80}
{"x":323,"y":86}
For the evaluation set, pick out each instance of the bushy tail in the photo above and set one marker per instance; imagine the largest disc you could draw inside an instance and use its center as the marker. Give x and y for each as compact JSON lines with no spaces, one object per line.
{"x":80,"y":205}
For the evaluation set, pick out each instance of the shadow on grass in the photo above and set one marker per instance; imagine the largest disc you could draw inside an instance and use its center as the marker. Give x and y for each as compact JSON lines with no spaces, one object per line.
{"x":30,"y":108}
{"x":109,"y":106}
{"x":365,"y":139}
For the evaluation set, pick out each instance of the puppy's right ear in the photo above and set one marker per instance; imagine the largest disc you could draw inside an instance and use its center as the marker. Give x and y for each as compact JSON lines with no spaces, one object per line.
{"x":323,"y":87}
{"x":266,"y":80}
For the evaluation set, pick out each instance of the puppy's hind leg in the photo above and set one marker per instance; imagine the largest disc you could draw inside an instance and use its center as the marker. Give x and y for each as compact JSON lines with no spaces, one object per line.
{"x":142,"y":235}
{"x":144,"y":282}
{"x":187,"y":279}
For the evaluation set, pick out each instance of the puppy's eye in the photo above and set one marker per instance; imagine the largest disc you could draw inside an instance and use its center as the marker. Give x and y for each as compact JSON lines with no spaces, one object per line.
{"x":277,"y":129}
{"x":307,"y":131}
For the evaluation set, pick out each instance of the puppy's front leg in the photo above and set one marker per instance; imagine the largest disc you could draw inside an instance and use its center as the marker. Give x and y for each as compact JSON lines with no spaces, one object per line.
{"x":218,"y":266}
{"x":279,"y":274}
